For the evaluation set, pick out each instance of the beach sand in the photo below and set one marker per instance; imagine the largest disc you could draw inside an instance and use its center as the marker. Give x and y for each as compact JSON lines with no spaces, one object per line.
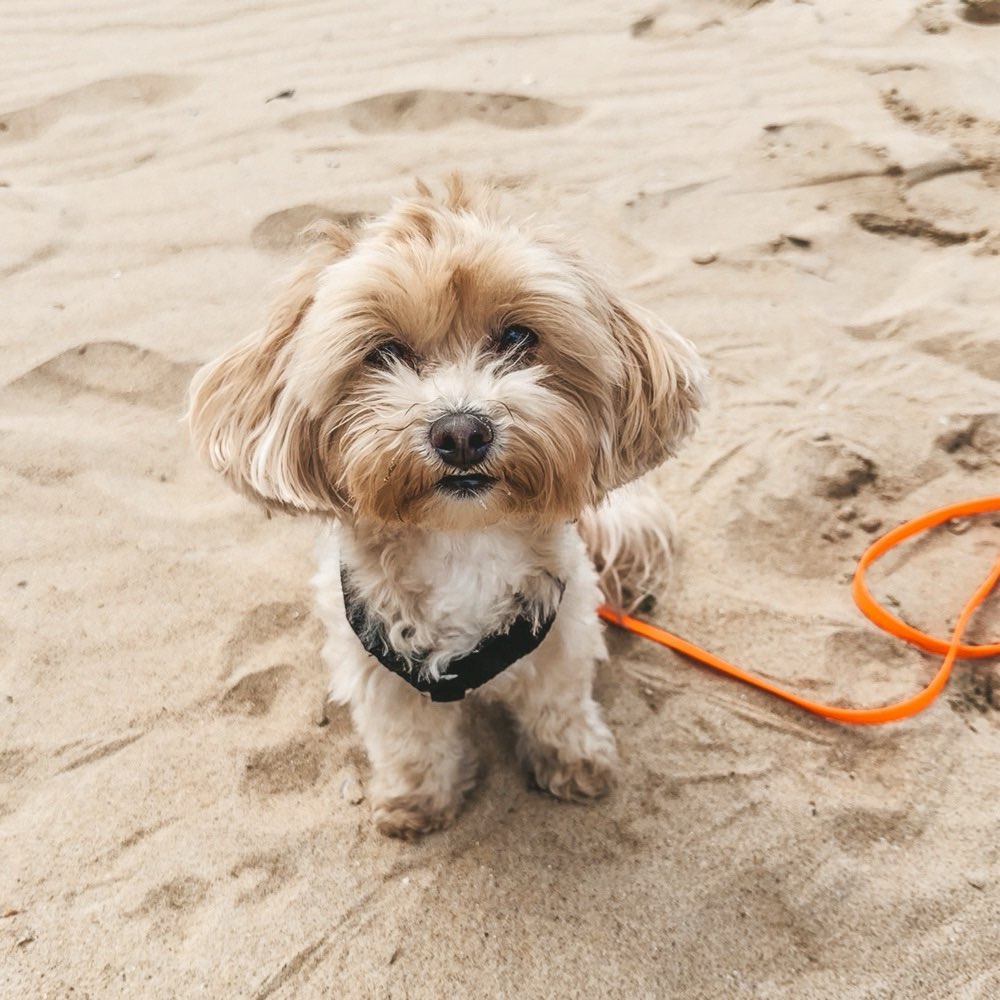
{"x":811,"y":193}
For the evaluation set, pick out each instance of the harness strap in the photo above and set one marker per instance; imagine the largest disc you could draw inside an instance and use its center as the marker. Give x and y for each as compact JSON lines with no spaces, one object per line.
{"x":493,"y":654}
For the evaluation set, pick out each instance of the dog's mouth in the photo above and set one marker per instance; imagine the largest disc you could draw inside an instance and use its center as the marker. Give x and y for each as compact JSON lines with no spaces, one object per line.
{"x":468,"y":485}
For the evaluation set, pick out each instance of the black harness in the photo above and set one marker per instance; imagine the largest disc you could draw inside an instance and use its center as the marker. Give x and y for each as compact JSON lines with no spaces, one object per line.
{"x":494,"y":653}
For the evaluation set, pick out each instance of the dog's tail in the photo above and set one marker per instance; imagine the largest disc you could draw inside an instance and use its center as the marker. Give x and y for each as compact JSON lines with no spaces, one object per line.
{"x":629,"y":538}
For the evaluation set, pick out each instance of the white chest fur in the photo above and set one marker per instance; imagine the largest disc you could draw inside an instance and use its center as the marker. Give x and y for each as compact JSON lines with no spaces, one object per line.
{"x":440,"y":592}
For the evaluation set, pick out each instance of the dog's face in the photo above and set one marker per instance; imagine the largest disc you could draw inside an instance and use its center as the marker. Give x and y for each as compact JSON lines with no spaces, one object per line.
{"x":442,"y":367}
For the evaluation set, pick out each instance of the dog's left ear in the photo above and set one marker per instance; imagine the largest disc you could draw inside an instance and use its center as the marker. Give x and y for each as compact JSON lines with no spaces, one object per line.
{"x":656,"y":398}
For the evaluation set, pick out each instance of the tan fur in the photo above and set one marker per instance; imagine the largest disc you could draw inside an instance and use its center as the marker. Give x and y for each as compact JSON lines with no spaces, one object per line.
{"x":312,"y":416}
{"x":293,"y":418}
{"x":629,"y":538}
{"x":236,"y":399}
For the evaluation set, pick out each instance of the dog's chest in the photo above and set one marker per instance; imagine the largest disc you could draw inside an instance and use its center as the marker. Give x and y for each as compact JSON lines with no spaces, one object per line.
{"x":444,"y":591}
{"x":469,"y":581}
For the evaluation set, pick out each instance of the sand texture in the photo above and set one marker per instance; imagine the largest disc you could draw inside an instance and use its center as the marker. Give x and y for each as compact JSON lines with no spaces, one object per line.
{"x":811,"y":192}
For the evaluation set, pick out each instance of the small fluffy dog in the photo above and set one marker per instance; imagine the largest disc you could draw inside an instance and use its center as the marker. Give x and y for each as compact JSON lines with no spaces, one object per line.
{"x":463,"y":399}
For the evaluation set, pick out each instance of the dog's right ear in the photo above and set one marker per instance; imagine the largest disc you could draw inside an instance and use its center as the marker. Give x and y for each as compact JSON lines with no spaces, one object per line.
{"x":244,"y":421}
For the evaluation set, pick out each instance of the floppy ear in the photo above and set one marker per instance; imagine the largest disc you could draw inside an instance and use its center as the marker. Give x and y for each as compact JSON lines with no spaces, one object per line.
{"x":656,"y":399}
{"x":246,"y":423}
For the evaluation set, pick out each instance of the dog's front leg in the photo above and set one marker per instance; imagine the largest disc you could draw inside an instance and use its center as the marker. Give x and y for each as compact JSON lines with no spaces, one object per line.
{"x":562,"y":738}
{"x":422,"y":765}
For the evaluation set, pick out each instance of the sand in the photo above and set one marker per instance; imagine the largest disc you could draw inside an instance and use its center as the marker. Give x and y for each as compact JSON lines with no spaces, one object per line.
{"x":809,"y":191}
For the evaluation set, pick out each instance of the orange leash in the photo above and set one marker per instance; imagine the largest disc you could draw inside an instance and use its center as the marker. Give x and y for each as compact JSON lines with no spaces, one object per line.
{"x":952,"y":648}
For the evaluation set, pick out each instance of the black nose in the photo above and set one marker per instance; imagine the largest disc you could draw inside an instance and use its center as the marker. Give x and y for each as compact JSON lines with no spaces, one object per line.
{"x":461,"y":439}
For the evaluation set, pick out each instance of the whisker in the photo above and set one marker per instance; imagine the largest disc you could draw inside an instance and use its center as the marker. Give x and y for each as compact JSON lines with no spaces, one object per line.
{"x":405,"y":427}
{"x":500,"y":402}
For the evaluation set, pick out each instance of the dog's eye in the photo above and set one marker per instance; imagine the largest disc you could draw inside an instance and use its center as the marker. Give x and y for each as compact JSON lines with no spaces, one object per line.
{"x":387,"y":353}
{"x":516,"y":339}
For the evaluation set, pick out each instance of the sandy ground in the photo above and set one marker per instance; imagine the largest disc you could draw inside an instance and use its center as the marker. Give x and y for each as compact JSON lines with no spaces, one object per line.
{"x":810,"y":191}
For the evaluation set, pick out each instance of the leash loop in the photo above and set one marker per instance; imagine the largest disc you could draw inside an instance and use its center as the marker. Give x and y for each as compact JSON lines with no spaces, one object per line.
{"x":952,"y":648}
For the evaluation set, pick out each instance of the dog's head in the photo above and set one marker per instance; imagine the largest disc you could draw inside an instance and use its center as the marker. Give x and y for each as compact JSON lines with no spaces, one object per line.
{"x":441,"y":366}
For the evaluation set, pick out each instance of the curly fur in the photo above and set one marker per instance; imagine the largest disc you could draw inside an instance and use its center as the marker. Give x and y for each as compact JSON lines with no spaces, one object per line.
{"x":313,"y":416}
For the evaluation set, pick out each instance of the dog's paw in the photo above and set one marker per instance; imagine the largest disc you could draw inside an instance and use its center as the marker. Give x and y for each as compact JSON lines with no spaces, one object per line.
{"x":575,"y":780}
{"x":408,"y":817}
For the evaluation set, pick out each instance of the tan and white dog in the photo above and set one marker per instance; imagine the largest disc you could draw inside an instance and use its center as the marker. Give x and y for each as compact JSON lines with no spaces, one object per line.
{"x":465,"y":401}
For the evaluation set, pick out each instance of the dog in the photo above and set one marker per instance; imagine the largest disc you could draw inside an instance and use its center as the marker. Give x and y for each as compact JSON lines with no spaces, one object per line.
{"x":465,"y":401}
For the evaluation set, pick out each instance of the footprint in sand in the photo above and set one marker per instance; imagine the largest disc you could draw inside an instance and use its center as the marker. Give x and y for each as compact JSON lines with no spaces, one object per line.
{"x":858,"y":827}
{"x":100,"y":97}
{"x":290,"y":767}
{"x":982,"y":12}
{"x":426,"y":110}
{"x":858,"y":644}
{"x":862,"y":665}
{"x":813,"y":153}
{"x":968,"y":349}
{"x":789,"y":524}
{"x":101,"y":388}
{"x":973,"y":440}
{"x":282,"y":231}
{"x":255,"y":693}
{"x":109,"y":369}
{"x":976,"y":689}
{"x":260,"y":628}
{"x":167,"y":904}
{"x":263,"y":873}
